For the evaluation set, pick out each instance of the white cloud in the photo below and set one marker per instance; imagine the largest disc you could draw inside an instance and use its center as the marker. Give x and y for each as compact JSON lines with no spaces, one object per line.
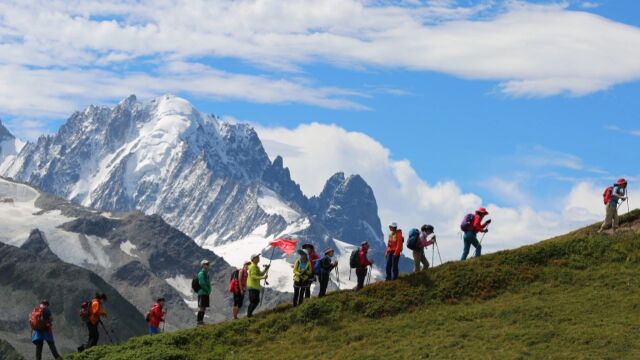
{"x":314,"y":152}
{"x":531,"y":50}
{"x":589,"y":5}
{"x":624,"y":131}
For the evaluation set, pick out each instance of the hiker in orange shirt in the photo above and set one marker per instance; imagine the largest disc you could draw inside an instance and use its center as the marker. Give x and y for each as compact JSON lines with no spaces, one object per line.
{"x":394,"y":249}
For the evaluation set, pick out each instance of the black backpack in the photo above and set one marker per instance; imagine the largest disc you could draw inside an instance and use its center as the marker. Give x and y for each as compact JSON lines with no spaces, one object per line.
{"x":195,"y":284}
{"x":414,"y":235}
{"x":354,"y":259}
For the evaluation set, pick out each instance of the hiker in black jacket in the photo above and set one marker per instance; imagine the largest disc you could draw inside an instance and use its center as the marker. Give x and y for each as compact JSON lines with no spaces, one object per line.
{"x":326,"y":266}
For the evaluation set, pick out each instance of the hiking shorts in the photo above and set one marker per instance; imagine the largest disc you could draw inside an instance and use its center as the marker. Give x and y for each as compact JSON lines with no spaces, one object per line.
{"x":203,"y":301}
{"x":238,"y":299}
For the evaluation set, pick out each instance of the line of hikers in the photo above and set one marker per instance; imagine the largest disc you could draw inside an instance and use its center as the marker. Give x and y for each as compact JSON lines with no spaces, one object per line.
{"x":307,"y":269}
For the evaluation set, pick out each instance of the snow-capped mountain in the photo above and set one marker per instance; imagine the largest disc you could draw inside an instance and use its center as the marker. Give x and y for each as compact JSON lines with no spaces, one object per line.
{"x":9,"y":147}
{"x":208,"y":178}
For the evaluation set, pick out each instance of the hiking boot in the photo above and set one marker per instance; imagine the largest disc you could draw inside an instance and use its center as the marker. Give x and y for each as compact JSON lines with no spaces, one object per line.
{"x":200,"y":323}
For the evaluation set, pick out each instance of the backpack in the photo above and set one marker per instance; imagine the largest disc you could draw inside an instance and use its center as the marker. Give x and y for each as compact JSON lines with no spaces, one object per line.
{"x":414,"y":236}
{"x":317,"y":269}
{"x":607,"y":195}
{"x":195,"y":284}
{"x":467,"y":223}
{"x":85,"y":310}
{"x":36,"y":320}
{"x":354,"y":259}
{"x":234,"y":282}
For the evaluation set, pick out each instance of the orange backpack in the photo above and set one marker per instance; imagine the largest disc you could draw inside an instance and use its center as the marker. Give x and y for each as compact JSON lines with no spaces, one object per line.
{"x":36,"y":320}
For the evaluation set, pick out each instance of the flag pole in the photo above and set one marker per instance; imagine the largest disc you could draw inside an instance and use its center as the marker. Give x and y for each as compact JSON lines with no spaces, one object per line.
{"x":273,"y":249}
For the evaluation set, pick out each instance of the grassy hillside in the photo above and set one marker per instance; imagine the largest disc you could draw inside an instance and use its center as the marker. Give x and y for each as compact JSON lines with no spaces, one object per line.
{"x":574,"y":296}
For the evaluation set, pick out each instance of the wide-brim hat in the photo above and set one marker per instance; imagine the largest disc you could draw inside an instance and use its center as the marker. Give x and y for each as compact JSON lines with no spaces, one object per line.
{"x":327,"y":251}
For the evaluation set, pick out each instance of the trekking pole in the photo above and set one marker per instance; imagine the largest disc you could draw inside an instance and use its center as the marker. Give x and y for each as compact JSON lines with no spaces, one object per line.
{"x":369,"y":275}
{"x":106,"y":332}
{"x":432,"y":254}
{"x":438,"y":248}
{"x":483,"y":234}
{"x":338,"y":276}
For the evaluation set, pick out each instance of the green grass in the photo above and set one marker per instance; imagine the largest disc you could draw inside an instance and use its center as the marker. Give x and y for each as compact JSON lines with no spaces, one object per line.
{"x":574,"y":296}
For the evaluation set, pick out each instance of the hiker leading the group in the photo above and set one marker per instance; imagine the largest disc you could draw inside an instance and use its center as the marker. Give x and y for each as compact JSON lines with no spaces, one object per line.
{"x":471,"y":226}
{"x":420,"y":261}
{"x":325,"y":266}
{"x":204,"y":291}
{"x":362,"y":267}
{"x":313,"y":257}
{"x":612,"y":197}
{"x":253,"y":283}
{"x":96,"y":312}
{"x":156,"y":316}
{"x":302,"y":275}
{"x":394,"y":249}
{"x":41,"y":322}
{"x":238,"y":287}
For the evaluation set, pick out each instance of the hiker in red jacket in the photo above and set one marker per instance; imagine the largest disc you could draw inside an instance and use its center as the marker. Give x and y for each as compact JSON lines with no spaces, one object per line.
{"x":313,"y":257}
{"x":156,"y":316}
{"x":394,"y":249}
{"x":471,"y":229}
{"x":238,"y":287}
{"x":363,"y":264}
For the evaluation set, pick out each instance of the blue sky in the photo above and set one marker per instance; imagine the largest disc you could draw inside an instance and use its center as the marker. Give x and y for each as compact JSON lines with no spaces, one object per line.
{"x":520,"y":103}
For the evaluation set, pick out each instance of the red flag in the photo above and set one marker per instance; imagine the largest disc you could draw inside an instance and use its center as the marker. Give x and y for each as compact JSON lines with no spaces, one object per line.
{"x":286,"y":245}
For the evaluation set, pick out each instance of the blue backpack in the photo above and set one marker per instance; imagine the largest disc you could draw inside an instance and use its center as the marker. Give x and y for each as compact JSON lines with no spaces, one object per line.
{"x":317,"y":269}
{"x":412,"y":243}
{"x":467,"y":223}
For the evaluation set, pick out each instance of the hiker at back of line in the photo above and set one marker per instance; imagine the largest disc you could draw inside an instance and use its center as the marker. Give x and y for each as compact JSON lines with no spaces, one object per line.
{"x":41,"y":322}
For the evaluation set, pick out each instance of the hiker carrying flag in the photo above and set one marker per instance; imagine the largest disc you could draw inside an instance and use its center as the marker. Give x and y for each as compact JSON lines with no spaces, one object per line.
{"x":301,"y":277}
{"x":394,"y":249}
{"x":155,"y":316}
{"x":471,"y":226}
{"x":612,"y":197}
{"x":325,"y":266}
{"x":363,"y":264}
{"x":253,"y":283}
{"x":41,"y":330}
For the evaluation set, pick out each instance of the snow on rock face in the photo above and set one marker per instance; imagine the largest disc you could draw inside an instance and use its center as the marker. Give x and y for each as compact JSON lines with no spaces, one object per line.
{"x":271,"y":204}
{"x":10,"y":147}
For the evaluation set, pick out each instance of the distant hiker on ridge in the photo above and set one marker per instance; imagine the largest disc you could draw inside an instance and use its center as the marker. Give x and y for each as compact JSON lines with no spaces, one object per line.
{"x":362,"y":265}
{"x":394,"y":249}
{"x":202,"y":286}
{"x":155,"y":316}
{"x":313,"y":257}
{"x":471,"y":226}
{"x":41,"y":322}
{"x":325,"y":266}
{"x":612,"y":197}
{"x":302,"y":274}
{"x":253,"y":283}
{"x":238,"y":287}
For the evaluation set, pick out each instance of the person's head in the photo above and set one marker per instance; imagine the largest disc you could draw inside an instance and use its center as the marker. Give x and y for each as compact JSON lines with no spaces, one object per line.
{"x":364,"y":245}
{"x":308,"y":247}
{"x":160,"y":301}
{"x":255,"y":258}
{"x":44,"y":303}
{"x":102,"y":297}
{"x":328,"y":252}
{"x":204,"y":264}
{"x":427,"y":229}
{"x":246,"y":264}
{"x":622,"y":183}
{"x":482,"y":212}
{"x":393,"y":226}
{"x":303,"y":255}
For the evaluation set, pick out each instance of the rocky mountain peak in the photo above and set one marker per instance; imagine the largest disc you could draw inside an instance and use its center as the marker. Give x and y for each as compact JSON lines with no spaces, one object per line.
{"x":5,"y":134}
{"x":37,"y":244}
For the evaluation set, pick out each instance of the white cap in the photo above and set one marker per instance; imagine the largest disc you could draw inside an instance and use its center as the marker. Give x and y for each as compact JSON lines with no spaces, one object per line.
{"x":254,"y":256}
{"x":204,"y":262}
{"x":394,"y":225}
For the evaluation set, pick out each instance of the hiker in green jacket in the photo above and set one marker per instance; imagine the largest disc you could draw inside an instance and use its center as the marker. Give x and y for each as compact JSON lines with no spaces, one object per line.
{"x":253,"y":283}
{"x":302,"y":275}
{"x":204,"y":292}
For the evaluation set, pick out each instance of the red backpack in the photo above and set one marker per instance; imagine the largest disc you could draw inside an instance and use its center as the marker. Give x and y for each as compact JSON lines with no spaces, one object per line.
{"x":36,"y":320}
{"x":607,"y":195}
{"x":234,"y":282}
